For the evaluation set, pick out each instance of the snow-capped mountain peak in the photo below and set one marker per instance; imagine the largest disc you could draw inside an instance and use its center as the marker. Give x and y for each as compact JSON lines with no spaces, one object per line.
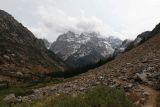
{"x":76,"y":48}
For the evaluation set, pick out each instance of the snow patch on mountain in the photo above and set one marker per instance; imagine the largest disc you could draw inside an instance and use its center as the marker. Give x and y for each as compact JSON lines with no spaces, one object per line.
{"x":72,"y":47}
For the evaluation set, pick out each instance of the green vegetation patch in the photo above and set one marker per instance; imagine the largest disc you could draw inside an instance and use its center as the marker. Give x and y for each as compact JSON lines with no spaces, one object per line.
{"x":100,"y":96}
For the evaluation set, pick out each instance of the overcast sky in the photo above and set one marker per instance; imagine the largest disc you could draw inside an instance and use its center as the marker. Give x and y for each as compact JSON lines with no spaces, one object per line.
{"x":49,"y":18}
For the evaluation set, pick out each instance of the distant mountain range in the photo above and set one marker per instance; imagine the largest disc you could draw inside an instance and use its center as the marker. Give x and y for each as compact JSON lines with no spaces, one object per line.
{"x":79,"y":50}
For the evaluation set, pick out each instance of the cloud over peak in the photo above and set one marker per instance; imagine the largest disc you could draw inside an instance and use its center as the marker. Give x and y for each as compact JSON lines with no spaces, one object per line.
{"x":121,"y":18}
{"x":57,"y":21}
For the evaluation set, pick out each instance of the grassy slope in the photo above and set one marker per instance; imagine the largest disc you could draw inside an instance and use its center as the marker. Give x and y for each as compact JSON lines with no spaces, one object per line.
{"x":100,"y":96}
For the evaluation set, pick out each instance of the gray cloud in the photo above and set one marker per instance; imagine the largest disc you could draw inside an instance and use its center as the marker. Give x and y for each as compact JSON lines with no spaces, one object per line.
{"x":49,"y":18}
{"x":55,"y":20}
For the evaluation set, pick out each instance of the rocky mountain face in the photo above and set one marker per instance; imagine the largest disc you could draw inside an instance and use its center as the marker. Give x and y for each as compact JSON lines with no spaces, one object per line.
{"x":122,"y":48}
{"x":114,"y":41}
{"x":141,"y":38}
{"x":79,"y":50}
{"x":47,"y":43}
{"x":22,"y":55}
{"x":136,"y":71}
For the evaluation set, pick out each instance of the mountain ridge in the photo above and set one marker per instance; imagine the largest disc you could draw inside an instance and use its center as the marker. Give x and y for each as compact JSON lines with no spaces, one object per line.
{"x":75,"y":49}
{"x":22,"y":55}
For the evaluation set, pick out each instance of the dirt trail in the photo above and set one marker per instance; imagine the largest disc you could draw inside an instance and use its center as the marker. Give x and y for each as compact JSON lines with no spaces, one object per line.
{"x":151,"y":102}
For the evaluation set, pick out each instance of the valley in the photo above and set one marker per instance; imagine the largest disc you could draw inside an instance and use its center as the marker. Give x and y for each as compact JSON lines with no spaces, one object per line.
{"x":33,"y":71}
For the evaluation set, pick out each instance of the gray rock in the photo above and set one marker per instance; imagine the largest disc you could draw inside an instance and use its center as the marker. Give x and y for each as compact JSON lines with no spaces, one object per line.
{"x":19,"y":74}
{"x":11,"y":98}
{"x":6,"y":57}
{"x":142,"y":77}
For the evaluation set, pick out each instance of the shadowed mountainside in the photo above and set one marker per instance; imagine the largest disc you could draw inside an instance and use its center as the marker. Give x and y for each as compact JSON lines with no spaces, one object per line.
{"x":22,"y":55}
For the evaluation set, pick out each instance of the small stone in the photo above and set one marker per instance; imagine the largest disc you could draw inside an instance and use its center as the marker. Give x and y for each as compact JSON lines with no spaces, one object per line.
{"x":20,"y":74}
{"x":137,"y":104}
{"x":146,"y":94}
{"x":142,"y":101}
{"x":6,"y":57}
{"x":130,"y":85}
{"x":13,"y":55}
{"x":10,"y":98}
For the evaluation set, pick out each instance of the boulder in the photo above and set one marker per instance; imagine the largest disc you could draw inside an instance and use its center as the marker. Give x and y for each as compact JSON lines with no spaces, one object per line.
{"x":142,"y":77}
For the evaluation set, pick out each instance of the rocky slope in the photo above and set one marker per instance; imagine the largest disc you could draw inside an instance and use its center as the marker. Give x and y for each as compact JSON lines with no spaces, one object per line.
{"x":130,"y":44}
{"x":136,"y":71}
{"x":139,"y":40}
{"x":79,"y":50}
{"x":22,"y":55}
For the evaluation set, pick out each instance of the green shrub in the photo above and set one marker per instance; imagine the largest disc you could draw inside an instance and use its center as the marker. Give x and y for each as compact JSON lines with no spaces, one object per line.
{"x":69,"y":101}
{"x":103,"y":96}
